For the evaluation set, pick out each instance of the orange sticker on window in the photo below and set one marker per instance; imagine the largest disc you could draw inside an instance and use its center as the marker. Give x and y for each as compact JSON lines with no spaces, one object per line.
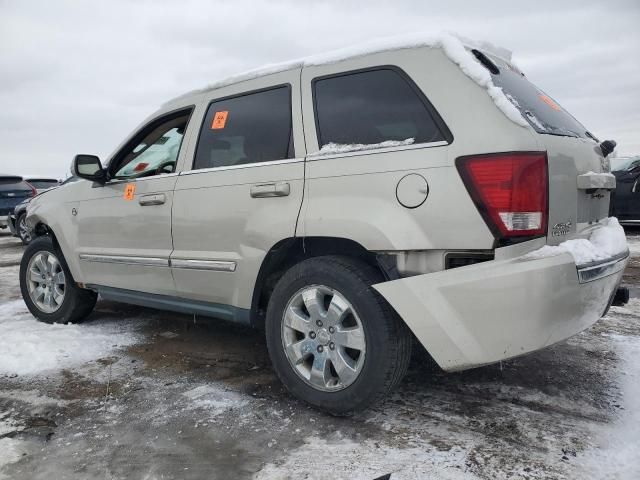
{"x":129,"y":191}
{"x":219,"y":120}
{"x":549,"y":102}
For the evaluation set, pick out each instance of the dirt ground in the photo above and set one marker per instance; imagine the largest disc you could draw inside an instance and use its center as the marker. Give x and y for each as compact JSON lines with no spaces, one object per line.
{"x":140,"y":393}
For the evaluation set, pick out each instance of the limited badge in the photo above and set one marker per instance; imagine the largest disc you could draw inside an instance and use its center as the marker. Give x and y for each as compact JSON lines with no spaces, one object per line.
{"x":129,"y":191}
{"x":219,"y":120}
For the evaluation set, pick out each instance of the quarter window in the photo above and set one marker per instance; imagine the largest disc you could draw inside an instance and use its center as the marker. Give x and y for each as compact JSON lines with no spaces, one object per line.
{"x":251,"y":128}
{"x":371,"y":107}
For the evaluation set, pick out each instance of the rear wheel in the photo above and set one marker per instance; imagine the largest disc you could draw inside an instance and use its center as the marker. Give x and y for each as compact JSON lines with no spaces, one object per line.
{"x":334,"y":341}
{"x":47,"y":287}
{"x":22,"y":230}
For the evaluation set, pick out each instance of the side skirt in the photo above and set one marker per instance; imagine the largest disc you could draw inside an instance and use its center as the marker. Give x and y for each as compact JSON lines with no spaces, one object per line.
{"x":175,"y":304}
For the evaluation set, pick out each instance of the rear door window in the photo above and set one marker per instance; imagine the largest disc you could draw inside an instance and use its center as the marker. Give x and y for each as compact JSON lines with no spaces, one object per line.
{"x":251,"y":128}
{"x":374,"y":106}
{"x":544,"y":114}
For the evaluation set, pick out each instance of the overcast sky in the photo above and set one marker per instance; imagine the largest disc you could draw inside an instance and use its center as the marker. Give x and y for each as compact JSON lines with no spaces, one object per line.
{"x":76,"y":77}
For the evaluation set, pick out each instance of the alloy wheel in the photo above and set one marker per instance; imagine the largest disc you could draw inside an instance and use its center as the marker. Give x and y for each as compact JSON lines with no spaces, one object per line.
{"x":323,"y":338}
{"x":46,"y":281}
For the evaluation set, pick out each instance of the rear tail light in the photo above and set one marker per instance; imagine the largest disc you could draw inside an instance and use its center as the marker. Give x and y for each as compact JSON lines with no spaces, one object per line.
{"x":34,"y":192}
{"x":510,"y":191}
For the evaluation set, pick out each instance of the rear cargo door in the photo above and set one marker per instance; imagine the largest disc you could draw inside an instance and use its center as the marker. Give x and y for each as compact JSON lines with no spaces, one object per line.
{"x":579,"y":178}
{"x":12,"y":192}
{"x":576,"y":168}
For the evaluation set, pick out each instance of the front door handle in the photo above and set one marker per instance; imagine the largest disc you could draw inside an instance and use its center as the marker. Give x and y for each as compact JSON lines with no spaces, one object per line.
{"x":280,"y":189}
{"x":155,"y":199}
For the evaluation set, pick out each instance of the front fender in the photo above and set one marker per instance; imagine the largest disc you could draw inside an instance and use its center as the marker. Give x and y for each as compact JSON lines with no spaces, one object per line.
{"x":60,"y":221}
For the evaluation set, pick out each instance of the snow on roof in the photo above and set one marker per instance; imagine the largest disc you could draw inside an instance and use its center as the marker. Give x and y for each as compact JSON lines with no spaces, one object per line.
{"x":456,"y":48}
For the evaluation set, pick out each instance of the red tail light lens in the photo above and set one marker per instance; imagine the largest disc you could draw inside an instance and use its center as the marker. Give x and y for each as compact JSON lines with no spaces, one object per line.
{"x":34,"y":192}
{"x":510,"y":191}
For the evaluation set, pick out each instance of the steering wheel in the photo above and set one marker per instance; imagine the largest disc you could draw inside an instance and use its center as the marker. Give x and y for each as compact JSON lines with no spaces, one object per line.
{"x":158,"y":170}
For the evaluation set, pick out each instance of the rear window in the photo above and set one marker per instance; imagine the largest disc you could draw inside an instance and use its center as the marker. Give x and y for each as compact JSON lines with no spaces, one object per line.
{"x":42,"y":184}
{"x":251,"y":128}
{"x":371,"y":107}
{"x":13,"y":183}
{"x":544,"y":114}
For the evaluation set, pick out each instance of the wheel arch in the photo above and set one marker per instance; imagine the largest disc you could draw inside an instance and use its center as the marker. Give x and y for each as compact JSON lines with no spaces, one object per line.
{"x":42,"y":228}
{"x":290,"y":251}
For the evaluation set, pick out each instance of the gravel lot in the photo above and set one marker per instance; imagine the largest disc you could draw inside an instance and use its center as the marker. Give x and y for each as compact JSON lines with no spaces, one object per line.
{"x":139,"y":393}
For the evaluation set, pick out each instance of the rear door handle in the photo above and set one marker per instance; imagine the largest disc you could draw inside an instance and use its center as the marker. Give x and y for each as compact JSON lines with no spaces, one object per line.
{"x":155,"y":199}
{"x":280,"y":189}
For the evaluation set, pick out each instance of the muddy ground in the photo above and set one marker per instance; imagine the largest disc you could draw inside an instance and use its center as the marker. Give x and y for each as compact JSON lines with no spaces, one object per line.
{"x":169,"y":396}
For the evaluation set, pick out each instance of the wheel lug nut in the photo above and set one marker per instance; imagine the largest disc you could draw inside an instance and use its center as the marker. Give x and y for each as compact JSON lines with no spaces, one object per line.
{"x":332,"y":346}
{"x":320,"y":348}
{"x":319,"y":323}
{"x":312,"y":334}
{"x":332,"y":330}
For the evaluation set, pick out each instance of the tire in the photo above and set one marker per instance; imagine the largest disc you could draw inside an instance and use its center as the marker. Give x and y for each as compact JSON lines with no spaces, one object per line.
{"x":387,"y":340}
{"x":21,"y":231}
{"x":75,"y":303}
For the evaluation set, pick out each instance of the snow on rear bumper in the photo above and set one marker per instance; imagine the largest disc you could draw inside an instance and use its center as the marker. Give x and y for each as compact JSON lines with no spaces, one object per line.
{"x":480,"y":314}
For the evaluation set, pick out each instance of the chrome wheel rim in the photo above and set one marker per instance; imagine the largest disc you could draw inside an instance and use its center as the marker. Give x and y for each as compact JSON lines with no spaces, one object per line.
{"x":22,"y":230}
{"x":323,"y":338}
{"x":46,"y":282}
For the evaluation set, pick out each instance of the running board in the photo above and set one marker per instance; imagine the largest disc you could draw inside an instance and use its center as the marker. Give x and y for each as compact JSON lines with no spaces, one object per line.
{"x":174,"y":304}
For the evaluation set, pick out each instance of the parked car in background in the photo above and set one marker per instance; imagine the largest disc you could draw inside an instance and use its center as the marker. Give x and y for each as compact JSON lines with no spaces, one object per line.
{"x":13,"y":190}
{"x":345,"y":205}
{"x":625,"y":199}
{"x":16,"y":219}
{"x":42,"y":184}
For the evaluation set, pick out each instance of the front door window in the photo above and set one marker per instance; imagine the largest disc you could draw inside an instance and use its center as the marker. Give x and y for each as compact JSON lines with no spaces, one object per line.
{"x":154,"y":151}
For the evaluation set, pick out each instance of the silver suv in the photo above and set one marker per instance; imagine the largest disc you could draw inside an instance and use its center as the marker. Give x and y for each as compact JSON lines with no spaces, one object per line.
{"x":346,"y":204}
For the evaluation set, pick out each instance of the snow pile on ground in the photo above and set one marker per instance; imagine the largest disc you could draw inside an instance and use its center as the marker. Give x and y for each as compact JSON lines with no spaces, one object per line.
{"x":453,"y":46}
{"x":10,"y":452}
{"x":333,"y":148}
{"x":7,"y":424}
{"x":617,"y":455}
{"x":216,"y":400}
{"x":604,"y":242}
{"x":634,"y":245}
{"x":28,"y":346}
{"x":366,"y":460}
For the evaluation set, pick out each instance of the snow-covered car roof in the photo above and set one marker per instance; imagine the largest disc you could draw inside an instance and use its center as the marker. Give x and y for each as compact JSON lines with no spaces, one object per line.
{"x":456,"y":48}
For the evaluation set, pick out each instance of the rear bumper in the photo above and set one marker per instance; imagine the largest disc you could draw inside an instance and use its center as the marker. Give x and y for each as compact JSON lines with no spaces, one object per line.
{"x":4,"y":221}
{"x":480,"y":314}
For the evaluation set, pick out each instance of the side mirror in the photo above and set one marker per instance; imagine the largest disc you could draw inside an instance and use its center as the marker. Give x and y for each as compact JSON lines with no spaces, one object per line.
{"x":89,"y":168}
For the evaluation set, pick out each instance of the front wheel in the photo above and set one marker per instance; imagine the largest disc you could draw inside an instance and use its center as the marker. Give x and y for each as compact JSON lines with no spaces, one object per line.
{"x":47,"y":287}
{"x":333,"y":340}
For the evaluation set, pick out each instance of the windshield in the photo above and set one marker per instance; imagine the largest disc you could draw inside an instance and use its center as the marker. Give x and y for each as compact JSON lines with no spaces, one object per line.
{"x":624,"y":164}
{"x":42,"y":184}
{"x":543,"y":113}
{"x":70,"y":180}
